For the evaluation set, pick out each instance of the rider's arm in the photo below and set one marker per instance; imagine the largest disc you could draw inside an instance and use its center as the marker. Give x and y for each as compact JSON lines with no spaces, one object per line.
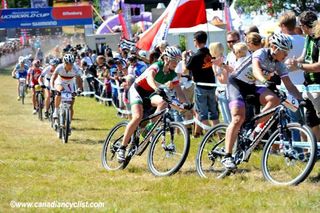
{"x":291,"y":87}
{"x":13,"y":73}
{"x":53,"y":78}
{"x":151,"y":79}
{"x":79,"y":82}
{"x":257,"y":71}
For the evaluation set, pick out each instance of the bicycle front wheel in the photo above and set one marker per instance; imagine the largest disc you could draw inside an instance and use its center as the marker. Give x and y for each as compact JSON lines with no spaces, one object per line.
{"x":40,"y":106}
{"x":289,"y":157}
{"x":66,"y":126}
{"x":169,"y":150}
{"x":111,"y":145}
{"x":211,"y":151}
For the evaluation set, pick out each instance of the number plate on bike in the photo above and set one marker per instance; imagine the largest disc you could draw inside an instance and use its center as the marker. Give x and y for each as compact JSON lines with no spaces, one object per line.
{"x":291,"y":103}
{"x":66,"y":97}
{"x":22,"y":80}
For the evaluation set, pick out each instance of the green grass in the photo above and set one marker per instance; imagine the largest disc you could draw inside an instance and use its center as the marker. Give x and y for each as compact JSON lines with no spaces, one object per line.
{"x":35,"y":167}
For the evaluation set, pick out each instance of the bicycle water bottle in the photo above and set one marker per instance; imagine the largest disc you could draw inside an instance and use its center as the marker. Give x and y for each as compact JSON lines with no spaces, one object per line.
{"x":147,"y":129}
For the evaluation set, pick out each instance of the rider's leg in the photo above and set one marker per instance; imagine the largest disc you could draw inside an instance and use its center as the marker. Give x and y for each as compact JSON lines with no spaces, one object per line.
{"x":269,"y":100}
{"x":237,"y":118}
{"x":47,"y":99}
{"x":137,"y":115}
{"x":57,"y":99}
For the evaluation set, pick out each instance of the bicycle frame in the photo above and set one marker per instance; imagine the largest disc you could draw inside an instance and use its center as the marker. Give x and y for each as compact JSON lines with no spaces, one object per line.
{"x":141,"y":147}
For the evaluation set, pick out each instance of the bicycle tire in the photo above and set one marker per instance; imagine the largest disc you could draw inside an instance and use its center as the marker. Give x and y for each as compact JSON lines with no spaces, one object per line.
{"x":275,"y":154}
{"x":66,"y":124}
{"x":40,"y":106}
{"x":22,"y":93}
{"x":211,"y":152}
{"x":159,"y":157}
{"x":111,"y":145}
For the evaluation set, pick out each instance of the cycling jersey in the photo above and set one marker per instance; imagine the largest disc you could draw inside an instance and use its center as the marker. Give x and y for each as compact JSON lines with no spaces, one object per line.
{"x":21,"y":72}
{"x":141,"y":90}
{"x":46,"y":74}
{"x":34,"y":74}
{"x":160,"y":78}
{"x":267,"y":64}
{"x":66,"y":79}
{"x":65,"y":76}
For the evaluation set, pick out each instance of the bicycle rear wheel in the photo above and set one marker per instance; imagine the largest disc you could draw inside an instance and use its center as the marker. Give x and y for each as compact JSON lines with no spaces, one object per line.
{"x":286,"y":159}
{"x":169,"y":150}
{"x":211,"y":151}
{"x":111,"y":145}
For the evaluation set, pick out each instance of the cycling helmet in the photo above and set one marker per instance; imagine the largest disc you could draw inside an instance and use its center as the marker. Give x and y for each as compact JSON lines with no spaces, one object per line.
{"x":282,"y":41}
{"x":68,"y":59}
{"x":172,"y":52}
{"x":21,"y":59}
{"x":36,"y":63}
{"x":54,"y":62}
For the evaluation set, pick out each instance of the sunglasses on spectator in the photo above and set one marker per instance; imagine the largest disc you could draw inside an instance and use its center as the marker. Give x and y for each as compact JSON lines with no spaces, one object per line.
{"x":232,"y":41}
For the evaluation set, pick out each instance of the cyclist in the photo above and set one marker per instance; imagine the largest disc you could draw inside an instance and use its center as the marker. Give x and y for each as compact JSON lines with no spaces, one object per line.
{"x":32,"y":78}
{"x":44,"y":79}
{"x":20,"y":71}
{"x":63,"y":79}
{"x":145,"y":85}
{"x":261,"y":67}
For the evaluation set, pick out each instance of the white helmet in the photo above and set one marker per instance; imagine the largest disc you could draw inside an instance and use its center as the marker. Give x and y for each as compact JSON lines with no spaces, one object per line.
{"x":172,"y":52}
{"x":282,"y":41}
{"x":68,"y":59}
{"x":21,"y":59}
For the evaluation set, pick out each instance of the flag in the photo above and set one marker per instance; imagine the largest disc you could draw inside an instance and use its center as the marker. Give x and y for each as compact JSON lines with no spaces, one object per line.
{"x":227,"y":16}
{"x":4,"y":4}
{"x":125,"y":31}
{"x":178,"y":14}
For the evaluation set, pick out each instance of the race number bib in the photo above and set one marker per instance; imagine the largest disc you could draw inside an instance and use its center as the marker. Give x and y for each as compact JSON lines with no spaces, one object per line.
{"x":66,"y":96}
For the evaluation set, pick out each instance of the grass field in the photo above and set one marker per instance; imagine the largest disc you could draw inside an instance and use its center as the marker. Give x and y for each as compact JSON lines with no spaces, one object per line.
{"x":36,"y":167}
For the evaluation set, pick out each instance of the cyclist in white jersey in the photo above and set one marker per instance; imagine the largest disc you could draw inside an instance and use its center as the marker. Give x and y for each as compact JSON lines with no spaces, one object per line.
{"x":44,"y":80}
{"x":260,"y":68}
{"x":63,"y":79}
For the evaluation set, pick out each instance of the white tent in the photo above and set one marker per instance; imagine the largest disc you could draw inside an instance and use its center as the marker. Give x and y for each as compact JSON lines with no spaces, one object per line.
{"x":215,"y":34}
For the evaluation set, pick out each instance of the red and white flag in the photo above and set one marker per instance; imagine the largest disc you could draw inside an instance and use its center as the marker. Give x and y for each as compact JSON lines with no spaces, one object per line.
{"x":4,"y":4}
{"x":228,"y":18}
{"x":179,"y":14}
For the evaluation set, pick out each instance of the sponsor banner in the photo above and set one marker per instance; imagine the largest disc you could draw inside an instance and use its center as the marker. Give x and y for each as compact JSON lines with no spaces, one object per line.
{"x":45,"y":17}
{"x":39,"y":3}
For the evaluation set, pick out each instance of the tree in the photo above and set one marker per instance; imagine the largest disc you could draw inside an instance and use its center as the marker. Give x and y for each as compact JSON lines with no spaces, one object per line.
{"x":18,"y":4}
{"x":277,"y":6}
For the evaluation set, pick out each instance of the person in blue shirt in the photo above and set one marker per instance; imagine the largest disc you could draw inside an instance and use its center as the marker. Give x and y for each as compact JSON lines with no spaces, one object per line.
{"x":20,"y":71}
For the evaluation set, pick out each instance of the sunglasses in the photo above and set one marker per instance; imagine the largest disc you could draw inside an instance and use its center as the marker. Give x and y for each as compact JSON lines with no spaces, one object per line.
{"x":232,"y":41}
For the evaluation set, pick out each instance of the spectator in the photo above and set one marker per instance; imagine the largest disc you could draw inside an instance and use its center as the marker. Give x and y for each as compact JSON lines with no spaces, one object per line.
{"x":201,"y":67}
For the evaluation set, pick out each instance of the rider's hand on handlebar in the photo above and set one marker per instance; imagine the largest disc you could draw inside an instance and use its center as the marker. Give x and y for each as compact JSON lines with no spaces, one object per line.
{"x":43,"y":86}
{"x":161,"y":92}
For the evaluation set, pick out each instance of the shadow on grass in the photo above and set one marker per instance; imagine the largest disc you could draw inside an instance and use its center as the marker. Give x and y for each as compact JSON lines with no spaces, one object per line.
{"x":87,"y":141}
{"x":315,"y":179}
{"x":89,"y":129}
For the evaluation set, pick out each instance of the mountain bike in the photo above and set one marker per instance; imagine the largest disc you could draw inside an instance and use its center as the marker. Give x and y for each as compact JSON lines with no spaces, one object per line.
{"x":64,"y":116}
{"x":22,"y":89}
{"x":170,"y":143}
{"x":288,"y":155}
{"x":40,"y":100}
